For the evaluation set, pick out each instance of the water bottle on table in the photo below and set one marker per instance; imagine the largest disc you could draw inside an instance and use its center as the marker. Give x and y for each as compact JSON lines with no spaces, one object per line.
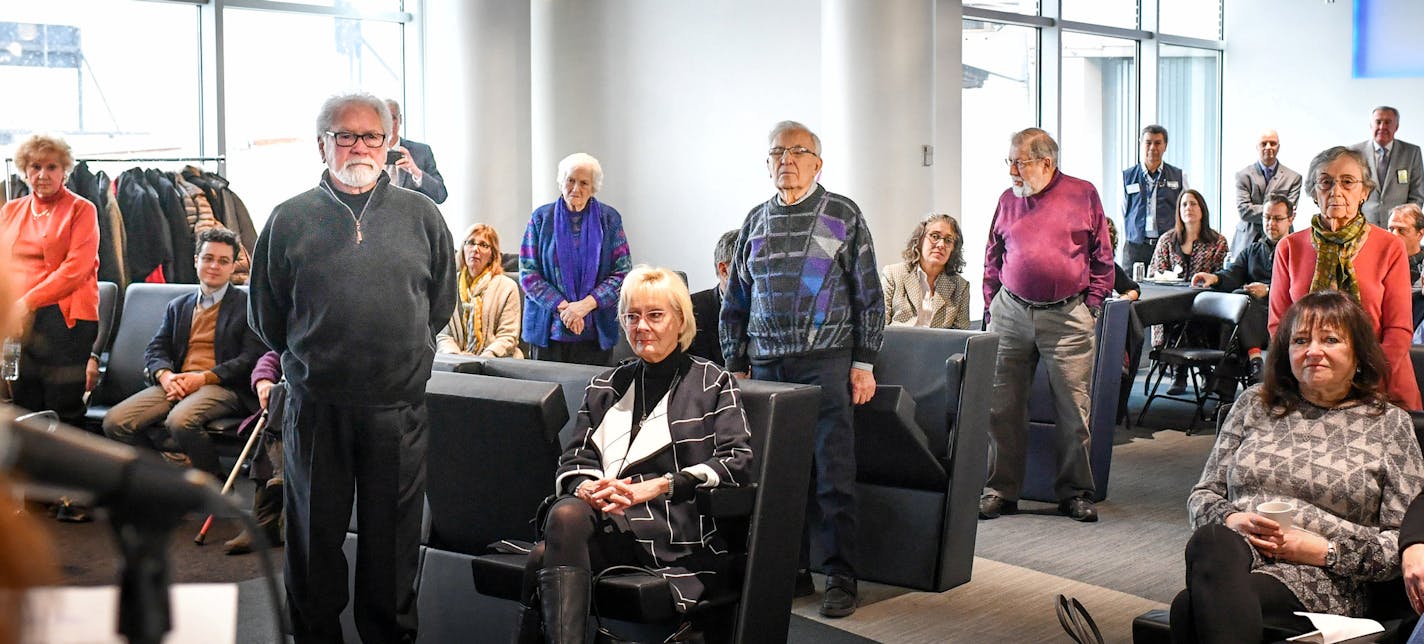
{"x":10,"y":367}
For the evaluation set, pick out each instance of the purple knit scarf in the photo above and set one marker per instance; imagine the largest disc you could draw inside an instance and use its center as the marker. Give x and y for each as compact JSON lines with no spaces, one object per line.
{"x":578,"y":272}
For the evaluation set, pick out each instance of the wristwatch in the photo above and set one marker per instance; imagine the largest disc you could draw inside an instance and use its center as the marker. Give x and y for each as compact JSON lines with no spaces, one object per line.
{"x":668,"y":477}
{"x":1331,"y":555}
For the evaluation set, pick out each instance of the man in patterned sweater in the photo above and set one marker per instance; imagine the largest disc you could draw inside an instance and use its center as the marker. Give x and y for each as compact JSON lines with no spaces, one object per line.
{"x":803,"y":305}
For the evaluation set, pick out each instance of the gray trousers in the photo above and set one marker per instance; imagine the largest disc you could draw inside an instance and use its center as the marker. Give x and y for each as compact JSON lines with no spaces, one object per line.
{"x":184,"y":420}
{"x":1064,"y":339}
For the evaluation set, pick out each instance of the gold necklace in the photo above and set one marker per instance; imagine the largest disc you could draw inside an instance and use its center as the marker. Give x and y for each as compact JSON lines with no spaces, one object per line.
{"x":37,"y":214}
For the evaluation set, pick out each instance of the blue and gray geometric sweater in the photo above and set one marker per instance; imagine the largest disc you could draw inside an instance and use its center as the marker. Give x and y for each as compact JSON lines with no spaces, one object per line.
{"x":803,"y":281}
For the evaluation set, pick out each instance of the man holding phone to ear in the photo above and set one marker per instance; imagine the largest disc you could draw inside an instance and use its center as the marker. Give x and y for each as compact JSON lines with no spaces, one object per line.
{"x":411,"y":164}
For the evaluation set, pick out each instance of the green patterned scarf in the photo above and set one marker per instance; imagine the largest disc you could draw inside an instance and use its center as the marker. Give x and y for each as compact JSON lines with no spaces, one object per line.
{"x":1335,"y":252}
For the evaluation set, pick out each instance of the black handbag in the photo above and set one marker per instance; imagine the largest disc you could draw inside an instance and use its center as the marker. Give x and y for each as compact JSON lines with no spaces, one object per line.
{"x":1076,"y":621}
{"x":683,"y":634}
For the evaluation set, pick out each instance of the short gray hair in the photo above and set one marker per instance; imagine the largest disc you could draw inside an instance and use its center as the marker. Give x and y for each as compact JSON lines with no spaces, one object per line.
{"x":1411,"y":210}
{"x":326,"y":119}
{"x":726,"y":245}
{"x":394,"y":108}
{"x":793,"y":126}
{"x":1386,"y":108}
{"x":581,"y":160}
{"x":1328,"y":156}
{"x":1040,"y":145}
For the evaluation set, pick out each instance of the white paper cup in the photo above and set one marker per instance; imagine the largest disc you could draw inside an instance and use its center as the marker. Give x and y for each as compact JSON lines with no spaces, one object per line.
{"x":1282,"y":512}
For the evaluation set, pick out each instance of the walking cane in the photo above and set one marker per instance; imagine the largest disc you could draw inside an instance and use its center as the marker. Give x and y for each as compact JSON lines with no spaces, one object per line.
{"x":236,"y":469}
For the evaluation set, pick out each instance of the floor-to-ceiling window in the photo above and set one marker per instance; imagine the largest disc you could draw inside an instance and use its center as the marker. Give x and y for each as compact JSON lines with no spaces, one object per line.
{"x":1098,"y":137}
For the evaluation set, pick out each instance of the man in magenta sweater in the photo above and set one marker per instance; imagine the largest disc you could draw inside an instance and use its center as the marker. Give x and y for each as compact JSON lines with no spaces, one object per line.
{"x":1047,"y":269}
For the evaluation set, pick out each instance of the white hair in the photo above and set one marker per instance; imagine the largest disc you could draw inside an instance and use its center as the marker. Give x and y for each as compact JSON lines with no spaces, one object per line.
{"x":581,"y":160}
{"x":793,"y":126}
{"x":326,"y":119}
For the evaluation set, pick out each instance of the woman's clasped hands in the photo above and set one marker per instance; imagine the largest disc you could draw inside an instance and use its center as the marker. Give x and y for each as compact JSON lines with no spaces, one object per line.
{"x":615,"y":496}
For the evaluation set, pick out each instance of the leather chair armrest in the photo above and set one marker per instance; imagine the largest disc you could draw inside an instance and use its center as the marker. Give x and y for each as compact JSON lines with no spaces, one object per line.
{"x":727,"y":501}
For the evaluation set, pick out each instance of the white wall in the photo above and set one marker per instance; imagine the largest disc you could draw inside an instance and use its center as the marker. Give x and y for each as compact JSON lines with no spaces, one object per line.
{"x":676,"y":99}
{"x":1296,"y":78}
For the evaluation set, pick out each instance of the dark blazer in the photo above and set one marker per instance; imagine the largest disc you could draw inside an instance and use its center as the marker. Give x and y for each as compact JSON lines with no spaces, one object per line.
{"x":706,"y":309}
{"x":431,"y":183}
{"x":236,"y":346}
{"x":674,"y":538}
{"x":1253,"y":265}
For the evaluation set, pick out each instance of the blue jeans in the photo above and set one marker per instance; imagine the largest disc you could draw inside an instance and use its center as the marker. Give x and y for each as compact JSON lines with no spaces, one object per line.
{"x":834,"y":460}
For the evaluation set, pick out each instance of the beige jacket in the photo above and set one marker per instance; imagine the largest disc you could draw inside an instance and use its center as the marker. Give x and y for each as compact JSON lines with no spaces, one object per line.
{"x":500,"y":323}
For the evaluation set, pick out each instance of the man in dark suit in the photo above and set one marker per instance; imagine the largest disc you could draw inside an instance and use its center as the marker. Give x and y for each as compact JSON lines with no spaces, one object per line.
{"x":1250,"y":273}
{"x":199,"y":361}
{"x":707,"y":305}
{"x":1254,"y":183}
{"x":416,"y":169}
{"x":1397,"y":167}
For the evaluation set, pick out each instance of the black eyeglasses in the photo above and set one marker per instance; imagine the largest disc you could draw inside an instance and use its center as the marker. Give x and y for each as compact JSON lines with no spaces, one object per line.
{"x":796,"y":152}
{"x":936,"y":238}
{"x":348,"y":139}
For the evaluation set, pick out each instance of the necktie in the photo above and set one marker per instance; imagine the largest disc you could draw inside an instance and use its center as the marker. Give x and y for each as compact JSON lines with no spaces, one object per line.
{"x":1270,"y":172}
{"x":1382,"y":167}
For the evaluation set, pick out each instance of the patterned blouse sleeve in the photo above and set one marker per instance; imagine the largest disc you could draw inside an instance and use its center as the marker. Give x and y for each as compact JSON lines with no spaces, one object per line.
{"x":1162,"y":256}
{"x":1207,"y":504}
{"x":1371,"y":553}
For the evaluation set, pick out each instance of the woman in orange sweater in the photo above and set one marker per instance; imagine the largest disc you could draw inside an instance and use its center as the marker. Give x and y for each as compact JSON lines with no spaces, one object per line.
{"x":53,"y":239}
{"x":1341,"y":251}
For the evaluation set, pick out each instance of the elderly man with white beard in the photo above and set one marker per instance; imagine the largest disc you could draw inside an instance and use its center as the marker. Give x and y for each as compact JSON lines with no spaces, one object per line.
{"x":1047,"y":269}
{"x":329,"y":269}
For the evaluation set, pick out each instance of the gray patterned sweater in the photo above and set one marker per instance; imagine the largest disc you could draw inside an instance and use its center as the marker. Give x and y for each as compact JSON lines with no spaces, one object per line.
{"x":1352,"y":472}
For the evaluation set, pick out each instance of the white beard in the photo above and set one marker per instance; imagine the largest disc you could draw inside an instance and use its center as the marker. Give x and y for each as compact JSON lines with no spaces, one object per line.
{"x":1022,"y":191}
{"x":356,"y":175}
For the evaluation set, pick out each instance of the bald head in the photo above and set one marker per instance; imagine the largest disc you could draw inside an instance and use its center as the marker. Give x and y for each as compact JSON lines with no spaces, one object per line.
{"x":1267,"y":147}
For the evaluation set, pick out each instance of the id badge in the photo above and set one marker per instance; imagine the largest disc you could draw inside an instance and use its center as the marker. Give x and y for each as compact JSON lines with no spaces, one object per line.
{"x":1133,"y":188}
{"x":1403,"y":176}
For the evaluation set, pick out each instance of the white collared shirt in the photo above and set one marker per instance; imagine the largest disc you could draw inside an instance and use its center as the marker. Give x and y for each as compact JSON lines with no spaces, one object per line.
{"x":207,"y":299}
{"x":926,"y":312}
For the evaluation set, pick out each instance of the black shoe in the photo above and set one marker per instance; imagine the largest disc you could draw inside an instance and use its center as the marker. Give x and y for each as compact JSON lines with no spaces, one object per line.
{"x":993,"y":505}
{"x":1254,"y":369}
{"x":70,"y":512}
{"x":840,"y":596}
{"x":1079,"y":508}
{"x":805,"y":586}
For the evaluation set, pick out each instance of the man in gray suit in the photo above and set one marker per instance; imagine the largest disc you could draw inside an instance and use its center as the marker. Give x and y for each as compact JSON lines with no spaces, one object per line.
{"x":1397,"y":166}
{"x":416,"y":168}
{"x":1255,"y":183}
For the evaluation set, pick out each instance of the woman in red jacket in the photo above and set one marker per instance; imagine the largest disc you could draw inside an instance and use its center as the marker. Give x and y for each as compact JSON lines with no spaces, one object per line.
{"x":53,"y":239}
{"x":1341,"y":251}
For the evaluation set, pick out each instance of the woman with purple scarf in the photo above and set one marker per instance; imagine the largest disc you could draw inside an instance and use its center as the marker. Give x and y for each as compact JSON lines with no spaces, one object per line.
{"x":571,"y":265}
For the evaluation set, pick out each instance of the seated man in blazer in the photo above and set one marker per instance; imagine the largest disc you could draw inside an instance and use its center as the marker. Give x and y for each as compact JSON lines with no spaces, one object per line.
{"x":416,"y":169}
{"x":199,"y":361}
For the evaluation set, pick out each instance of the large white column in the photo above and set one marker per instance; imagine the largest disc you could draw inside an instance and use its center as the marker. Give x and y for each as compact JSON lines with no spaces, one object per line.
{"x":476,"y":111}
{"x":878,"y":81}
{"x":570,"y":70}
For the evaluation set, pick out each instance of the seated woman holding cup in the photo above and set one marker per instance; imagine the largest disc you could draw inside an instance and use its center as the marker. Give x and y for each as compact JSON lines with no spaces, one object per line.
{"x":1317,"y":435}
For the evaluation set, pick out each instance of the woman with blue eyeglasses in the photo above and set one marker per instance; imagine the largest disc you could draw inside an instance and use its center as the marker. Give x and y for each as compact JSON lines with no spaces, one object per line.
{"x":1342,"y":251}
{"x":486,"y":319}
{"x":926,"y":289}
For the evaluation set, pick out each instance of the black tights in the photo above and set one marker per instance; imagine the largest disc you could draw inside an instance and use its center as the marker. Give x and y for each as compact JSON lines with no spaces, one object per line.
{"x":1225,"y":601}
{"x":575,"y":535}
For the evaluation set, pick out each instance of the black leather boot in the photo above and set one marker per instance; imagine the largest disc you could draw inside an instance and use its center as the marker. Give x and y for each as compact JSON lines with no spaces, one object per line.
{"x":564,"y":594}
{"x":531,"y":624}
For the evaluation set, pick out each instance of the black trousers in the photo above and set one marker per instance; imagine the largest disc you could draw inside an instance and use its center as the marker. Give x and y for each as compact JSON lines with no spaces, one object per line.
{"x":577,"y":535}
{"x":831,"y":511}
{"x":1253,"y":325}
{"x":1225,"y":601}
{"x":52,"y":362}
{"x":379,"y":454}
{"x":588,"y":352}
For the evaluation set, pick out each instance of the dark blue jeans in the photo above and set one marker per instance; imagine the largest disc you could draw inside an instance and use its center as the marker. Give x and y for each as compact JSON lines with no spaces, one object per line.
{"x":833,"y":491}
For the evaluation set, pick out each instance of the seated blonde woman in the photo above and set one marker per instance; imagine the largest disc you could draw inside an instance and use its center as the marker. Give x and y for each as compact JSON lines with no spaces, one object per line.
{"x":486,"y":320}
{"x":926,"y":289}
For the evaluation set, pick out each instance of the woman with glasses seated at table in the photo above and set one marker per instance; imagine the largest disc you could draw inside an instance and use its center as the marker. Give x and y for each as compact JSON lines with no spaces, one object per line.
{"x":1341,"y":251}
{"x":486,"y":319}
{"x":926,"y":289}
{"x":1318,"y":433}
{"x":651,"y":431}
